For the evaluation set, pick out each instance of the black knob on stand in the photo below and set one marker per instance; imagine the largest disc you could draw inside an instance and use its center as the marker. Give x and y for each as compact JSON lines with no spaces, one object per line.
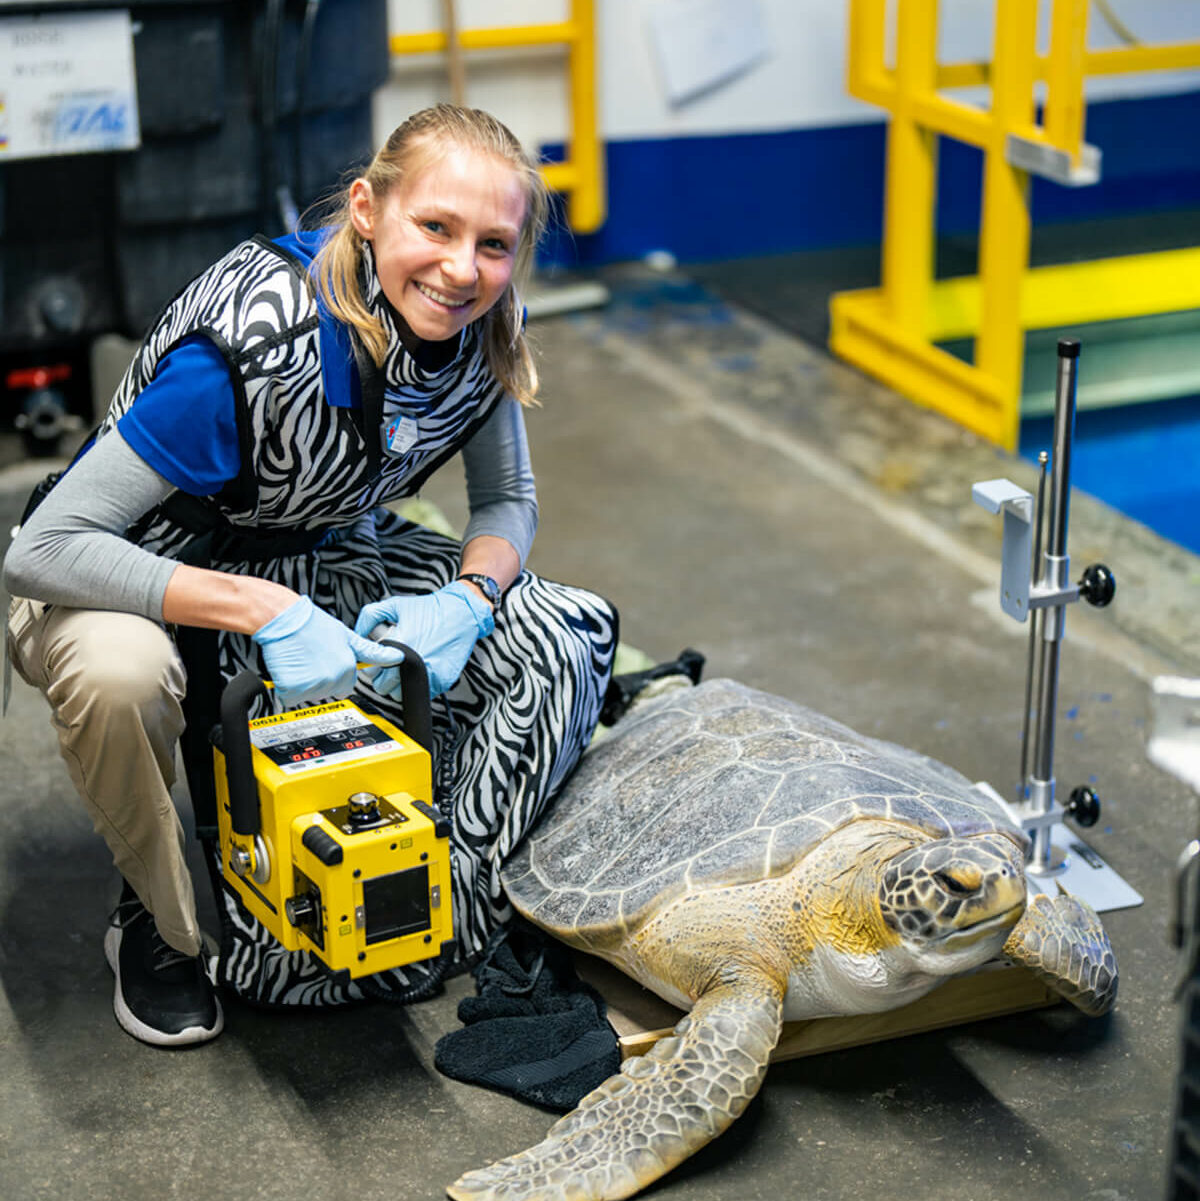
{"x":1083,"y":806}
{"x":1098,"y":585}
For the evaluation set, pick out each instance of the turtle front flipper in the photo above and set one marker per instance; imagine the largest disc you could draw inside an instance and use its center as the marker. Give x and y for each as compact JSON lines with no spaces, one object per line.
{"x":1060,"y":939}
{"x":659,"y":1109}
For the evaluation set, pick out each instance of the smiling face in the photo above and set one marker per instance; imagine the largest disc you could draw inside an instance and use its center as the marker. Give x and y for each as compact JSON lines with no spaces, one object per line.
{"x":444,"y":238}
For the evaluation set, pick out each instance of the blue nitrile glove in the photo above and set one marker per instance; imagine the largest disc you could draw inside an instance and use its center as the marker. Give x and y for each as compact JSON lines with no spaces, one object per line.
{"x":441,"y":627}
{"x":310,"y":655}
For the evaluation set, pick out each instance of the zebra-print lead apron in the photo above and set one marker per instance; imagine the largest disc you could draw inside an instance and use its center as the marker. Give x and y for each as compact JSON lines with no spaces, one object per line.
{"x":505,"y":737}
{"x":514,"y":725}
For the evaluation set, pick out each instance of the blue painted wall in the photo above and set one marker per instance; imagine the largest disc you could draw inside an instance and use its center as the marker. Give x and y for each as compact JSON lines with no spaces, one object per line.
{"x":708,"y":198}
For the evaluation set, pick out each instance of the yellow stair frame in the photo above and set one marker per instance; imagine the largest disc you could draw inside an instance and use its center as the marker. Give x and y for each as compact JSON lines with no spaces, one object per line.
{"x":581,"y":176}
{"x":891,"y":331}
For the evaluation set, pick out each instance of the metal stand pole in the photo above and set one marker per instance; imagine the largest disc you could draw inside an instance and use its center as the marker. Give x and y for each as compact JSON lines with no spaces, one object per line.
{"x":1052,"y":580}
{"x":1035,"y":627}
{"x":1034,"y":587}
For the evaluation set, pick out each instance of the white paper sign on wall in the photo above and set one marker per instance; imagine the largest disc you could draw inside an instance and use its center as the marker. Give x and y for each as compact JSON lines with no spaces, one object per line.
{"x":702,"y":43}
{"x":67,"y":85}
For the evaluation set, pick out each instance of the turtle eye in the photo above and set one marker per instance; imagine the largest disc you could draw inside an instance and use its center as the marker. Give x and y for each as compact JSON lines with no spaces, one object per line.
{"x":952,"y":884}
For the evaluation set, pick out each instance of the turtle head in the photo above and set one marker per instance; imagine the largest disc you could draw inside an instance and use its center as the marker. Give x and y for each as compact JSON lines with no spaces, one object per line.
{"x":952,"y":902}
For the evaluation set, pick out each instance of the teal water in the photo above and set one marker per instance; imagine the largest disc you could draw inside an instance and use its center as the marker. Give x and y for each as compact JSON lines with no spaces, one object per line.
{"x":1142,"y":459}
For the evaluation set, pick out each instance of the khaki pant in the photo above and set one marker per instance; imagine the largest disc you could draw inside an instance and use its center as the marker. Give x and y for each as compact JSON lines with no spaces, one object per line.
{"x":115,"y":684}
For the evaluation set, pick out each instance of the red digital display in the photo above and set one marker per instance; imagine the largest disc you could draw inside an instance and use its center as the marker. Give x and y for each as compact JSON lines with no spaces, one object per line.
{"x":325,"y":744}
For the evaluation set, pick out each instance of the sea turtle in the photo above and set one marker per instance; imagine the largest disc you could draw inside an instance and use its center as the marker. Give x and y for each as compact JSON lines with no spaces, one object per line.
{"x":755,"y":862}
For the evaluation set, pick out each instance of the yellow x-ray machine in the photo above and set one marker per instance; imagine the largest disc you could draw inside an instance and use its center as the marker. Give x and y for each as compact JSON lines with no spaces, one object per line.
{"x":328,"y":829}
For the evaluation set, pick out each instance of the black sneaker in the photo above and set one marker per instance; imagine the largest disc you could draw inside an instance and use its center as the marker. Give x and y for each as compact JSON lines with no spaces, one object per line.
{"x":162,"y":996}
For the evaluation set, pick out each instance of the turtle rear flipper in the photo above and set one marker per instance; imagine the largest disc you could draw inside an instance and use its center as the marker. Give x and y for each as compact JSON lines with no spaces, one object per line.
{"x":659,"y":1109}
{"x":1060,"y":939}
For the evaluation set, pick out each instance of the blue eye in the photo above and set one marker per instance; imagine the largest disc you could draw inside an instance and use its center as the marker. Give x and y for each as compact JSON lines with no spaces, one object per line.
{"x":435,"y":227}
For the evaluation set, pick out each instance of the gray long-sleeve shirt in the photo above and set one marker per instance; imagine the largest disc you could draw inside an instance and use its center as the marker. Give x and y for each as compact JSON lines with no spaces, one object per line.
{"x":72,"y":550}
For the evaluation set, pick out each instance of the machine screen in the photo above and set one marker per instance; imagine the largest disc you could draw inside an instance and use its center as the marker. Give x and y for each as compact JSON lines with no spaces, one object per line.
{"x":397,"y":904}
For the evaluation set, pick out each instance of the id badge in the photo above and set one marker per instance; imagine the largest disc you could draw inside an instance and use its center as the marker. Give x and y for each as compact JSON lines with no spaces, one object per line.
{"x":399,"y":434}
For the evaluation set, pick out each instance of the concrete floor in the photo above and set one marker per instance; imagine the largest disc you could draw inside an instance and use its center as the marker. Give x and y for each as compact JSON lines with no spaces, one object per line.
{"x":732,"y":489}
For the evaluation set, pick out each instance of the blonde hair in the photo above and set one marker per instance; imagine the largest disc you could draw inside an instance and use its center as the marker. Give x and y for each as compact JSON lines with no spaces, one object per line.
{"x":411,"y":147}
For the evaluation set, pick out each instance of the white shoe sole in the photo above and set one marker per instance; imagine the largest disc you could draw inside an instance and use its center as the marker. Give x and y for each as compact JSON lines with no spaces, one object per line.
{"x":129,"y":1022}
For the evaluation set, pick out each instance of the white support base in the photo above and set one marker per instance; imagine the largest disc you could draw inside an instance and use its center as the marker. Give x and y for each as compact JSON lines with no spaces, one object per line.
{"x":1078,"y":870}
{"x":1084,"y":874}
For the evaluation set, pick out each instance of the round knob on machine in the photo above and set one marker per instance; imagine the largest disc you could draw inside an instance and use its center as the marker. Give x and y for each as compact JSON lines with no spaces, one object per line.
{"x":241,"y":861}
{"x":364,"y":807}
{"x":301,"y":910}
{"x":1083,"y":806}
{"x":1098,"y":585}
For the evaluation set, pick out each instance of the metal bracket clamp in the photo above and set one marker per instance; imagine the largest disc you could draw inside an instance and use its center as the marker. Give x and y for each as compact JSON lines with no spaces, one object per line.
{"x":1054,"y":590}
{"x":1017,"y":548}
{"x":1031,"y":822}
{"x":1017,"y":595}
{"x":1040,"y":158}
{"x":1038,"y":811}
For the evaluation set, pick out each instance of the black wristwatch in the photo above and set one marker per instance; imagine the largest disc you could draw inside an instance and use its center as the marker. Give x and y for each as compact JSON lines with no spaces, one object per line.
{"x":486,"y":585}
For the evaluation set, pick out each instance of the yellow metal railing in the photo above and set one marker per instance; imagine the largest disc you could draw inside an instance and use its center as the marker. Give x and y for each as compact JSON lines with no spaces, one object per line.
{"x":581,"y":175}
{"x":891,"y":331}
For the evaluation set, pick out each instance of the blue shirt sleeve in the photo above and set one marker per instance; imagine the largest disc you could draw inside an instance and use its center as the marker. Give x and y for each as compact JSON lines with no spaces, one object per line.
{"x":184,"y":422}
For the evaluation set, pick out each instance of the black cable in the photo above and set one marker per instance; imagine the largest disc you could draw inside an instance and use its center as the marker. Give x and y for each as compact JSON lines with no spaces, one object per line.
{"x":420,"y":989}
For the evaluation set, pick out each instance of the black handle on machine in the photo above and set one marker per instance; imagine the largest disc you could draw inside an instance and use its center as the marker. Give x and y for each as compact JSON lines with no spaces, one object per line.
{"x":414,"y":695}
{"x":240,"y":694}
{"x":236,"y":700}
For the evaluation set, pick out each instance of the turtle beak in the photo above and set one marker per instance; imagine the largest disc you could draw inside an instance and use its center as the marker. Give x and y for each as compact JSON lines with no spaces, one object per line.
{"x":971,"y":929}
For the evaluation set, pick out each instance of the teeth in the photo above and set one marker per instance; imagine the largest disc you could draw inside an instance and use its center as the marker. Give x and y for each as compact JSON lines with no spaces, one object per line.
{"x":446,"y":300}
